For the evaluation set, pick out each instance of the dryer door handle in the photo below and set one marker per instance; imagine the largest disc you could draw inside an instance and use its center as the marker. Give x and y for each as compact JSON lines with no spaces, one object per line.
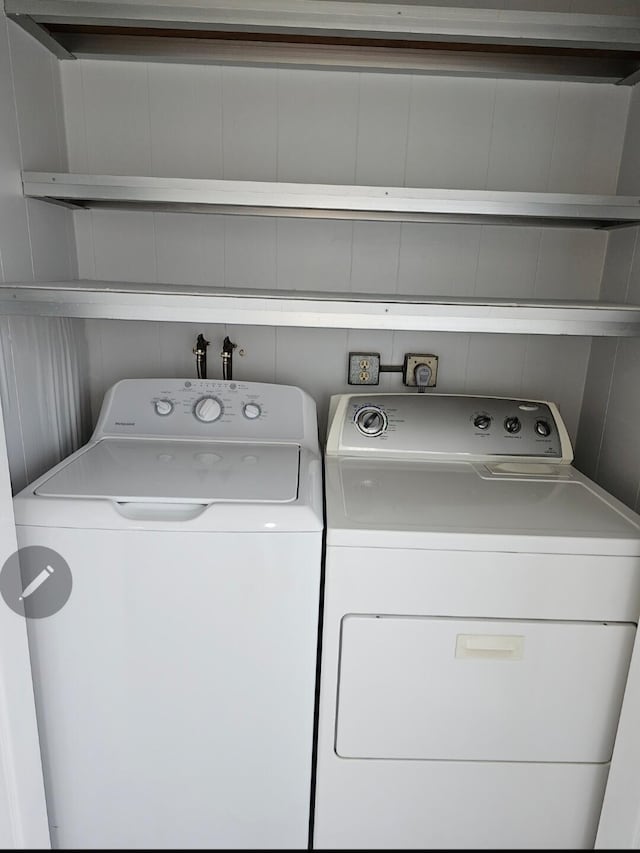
{"x":496,"y":646}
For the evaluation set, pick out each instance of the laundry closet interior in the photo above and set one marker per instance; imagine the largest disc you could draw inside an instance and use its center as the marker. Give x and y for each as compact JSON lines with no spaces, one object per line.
{"x":284,"y":176}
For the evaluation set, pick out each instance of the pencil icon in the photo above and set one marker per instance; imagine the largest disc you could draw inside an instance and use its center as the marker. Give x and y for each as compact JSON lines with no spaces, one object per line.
{"x":36,"y":583}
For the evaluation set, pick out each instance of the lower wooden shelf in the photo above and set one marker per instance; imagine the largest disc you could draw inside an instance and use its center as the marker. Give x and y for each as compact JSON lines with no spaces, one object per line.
{"x":179,"y":303}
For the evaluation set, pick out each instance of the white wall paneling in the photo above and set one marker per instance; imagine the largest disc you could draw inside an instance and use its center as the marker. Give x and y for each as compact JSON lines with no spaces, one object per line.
{"x":40,"y":400}
{"x":375,"y":129}
{"x":339,"y":127}
{"x":41,"y":368}
{"x":23,"y":817}
{"x":609,"y":447}
{"x":533,"y":366}
{"x":335,"y":255}
{"x":15,"y":249}
{"x":609,"y":451}
{"x":45,"y":392}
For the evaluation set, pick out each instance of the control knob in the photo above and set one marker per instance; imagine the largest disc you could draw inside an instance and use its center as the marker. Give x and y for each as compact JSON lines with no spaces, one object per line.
{"x":512,"y":424}
{"x":163,"y":407}
{"x":482,"y":422}
{"x":208,"y":409}
{"x":251,"y":411}
{"x":370,"y":421}
{"x":543,"y":428}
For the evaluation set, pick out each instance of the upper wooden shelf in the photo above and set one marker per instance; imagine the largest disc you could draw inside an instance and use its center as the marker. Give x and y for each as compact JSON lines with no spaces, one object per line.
{"x":333,"y":201}
{"x":369,"y":36}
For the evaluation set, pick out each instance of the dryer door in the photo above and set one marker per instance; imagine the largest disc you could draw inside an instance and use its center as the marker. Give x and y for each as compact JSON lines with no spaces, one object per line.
{"x":480,"y":690}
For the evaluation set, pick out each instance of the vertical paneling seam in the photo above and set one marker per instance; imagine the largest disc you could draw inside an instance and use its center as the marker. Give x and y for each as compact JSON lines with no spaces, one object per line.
{"x":410,"y":109}
{"x":354,"y":175}
{"x":63,"y":160}
{"x":627,"y":133}
{"x":486,"y":181}
{"x":278,"y":234}
{"x":633,"y":257}
{"x":152,"y":170}
{"x":88,"y":213}
{"x":491,"y":129}
{"x":615,"y":361}
{"x":149,"y":123}
{"x":18,"y":403}
{"x":15,"y":109}
{"x":554,"y":141}
{"x":606,"y":410}
{"x":225,"y":218}
{"x":626,"y":299}
{"x":221,"y":122}
{"x":83,"y":99}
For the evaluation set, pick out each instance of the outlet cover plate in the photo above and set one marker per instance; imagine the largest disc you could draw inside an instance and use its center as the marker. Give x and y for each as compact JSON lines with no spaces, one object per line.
{"x":364,"y":368}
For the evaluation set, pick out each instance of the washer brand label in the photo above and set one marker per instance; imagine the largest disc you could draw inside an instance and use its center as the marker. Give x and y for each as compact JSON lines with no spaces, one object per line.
{"x":125,"y":423}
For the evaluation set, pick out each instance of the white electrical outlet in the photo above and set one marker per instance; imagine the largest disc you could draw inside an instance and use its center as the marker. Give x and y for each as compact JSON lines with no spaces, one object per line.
{"x":413,"y":361}
{"x":364,"y":368}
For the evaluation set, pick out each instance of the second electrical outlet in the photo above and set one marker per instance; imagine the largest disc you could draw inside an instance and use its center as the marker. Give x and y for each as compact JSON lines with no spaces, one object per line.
{"x":421,"y":370}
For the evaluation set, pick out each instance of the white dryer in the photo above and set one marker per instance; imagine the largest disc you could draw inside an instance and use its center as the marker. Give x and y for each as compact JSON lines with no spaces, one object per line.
{"x":175,"y":689}
{"x":480,"y":606}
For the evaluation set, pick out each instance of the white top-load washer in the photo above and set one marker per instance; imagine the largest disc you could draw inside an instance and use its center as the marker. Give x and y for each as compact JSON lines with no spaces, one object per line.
{"x":175,"y":689}
{"x":480,"y":605}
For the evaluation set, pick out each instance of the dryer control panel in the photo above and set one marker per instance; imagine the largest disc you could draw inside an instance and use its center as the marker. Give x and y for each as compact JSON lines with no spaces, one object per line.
{"x":207,"y":408}
{"x":447,"y":425}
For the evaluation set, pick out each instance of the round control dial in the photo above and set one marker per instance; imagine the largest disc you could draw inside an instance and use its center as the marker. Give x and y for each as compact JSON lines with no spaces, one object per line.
{"x":251,"y":411}
{"x":370,"y":421}
{"x":512,"y":425}
{"x":163,"y":407}
{"x":543,"y":428}
{"x":482,"y":422}
{"x":208,"y":409}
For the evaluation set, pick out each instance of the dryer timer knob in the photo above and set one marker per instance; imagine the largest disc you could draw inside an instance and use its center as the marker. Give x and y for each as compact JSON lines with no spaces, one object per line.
{"x":370,"y":421}
{"x":208,"y":409}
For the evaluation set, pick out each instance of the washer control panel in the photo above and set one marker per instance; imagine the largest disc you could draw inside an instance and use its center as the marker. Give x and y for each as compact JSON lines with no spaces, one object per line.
{"x":447,"y":424}
{"x":204,"y":408}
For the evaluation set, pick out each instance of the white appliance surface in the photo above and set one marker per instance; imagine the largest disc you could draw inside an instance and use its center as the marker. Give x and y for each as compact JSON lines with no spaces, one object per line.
{"x":175,"y":689}
{"x":388,"y":498}
{"x":155,"y":470}
{"x":480,"y":606}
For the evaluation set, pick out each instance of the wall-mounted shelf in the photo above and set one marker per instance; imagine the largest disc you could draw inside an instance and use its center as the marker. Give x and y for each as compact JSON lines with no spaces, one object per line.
{"x":333,"y":201}
{"x":348,"y":35}
{"x":177,"y":303}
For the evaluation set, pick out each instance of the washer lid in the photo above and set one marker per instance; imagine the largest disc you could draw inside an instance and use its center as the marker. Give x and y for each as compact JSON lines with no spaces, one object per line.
{"x":172,"y":471}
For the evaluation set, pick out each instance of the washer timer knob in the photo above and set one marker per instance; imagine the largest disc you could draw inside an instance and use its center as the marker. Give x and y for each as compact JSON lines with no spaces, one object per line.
{"x":482,"y":422}
{"x":163,"y":407}
{"x":251,"y":411}
{"x":370,"y":421}
{"x":543,"y":428}
{"x":512,"y":425}
{"x":208,"y":409}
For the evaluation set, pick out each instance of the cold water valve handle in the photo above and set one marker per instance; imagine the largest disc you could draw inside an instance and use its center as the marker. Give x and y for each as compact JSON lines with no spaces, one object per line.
{"x":227,"y":358}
